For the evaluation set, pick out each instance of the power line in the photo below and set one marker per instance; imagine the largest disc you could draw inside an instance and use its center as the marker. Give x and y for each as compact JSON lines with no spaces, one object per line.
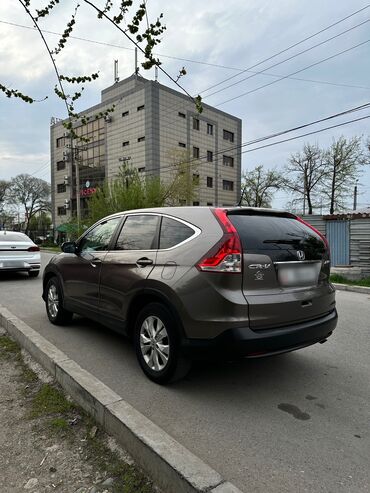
{"x":289,"y":58}
{"x":306,"y":134}
{"x":294,"y":73}
{"x":289,"y":47}
{"x":199,"y":62}
{"x":268,"y":137}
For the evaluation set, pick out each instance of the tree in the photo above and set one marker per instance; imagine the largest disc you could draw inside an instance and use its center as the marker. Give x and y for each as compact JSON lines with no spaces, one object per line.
{"x":305,"y":174}
{"x":40,"y":223}
{"x":4,"y":188}
{"x":145,"y":39}
{"x":182,"y":178}
{"x":129,"y":190}
{"x":32,"y":193}
{"x":259,"y":185}
{"x":342,"y":162}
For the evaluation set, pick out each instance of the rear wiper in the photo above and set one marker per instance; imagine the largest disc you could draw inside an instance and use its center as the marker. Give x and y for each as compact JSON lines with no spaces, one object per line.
{"x":288,"y":242}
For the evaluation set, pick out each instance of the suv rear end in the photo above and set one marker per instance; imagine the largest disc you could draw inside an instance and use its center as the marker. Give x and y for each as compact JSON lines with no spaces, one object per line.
{"x":263,"y":288}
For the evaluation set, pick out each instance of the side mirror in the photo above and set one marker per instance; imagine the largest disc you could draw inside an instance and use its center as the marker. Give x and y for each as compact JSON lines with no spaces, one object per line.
{"x":69,"y":247}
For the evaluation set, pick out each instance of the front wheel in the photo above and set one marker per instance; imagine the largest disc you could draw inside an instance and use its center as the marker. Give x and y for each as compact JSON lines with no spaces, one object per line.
{"x":157,"y":345}
{"x":54,"y":303}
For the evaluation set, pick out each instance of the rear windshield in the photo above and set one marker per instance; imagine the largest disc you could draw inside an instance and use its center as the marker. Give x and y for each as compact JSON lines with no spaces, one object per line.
{"x":275,"y":233}
{"x":14,"y":237}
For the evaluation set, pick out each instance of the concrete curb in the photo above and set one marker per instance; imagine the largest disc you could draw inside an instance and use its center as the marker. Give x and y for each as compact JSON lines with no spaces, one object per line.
{"x":354,"y":289}
{"x":171,"y":466}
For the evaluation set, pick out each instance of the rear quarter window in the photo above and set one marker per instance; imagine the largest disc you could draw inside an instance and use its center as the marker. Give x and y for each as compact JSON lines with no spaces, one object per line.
{"x":173,"y":233}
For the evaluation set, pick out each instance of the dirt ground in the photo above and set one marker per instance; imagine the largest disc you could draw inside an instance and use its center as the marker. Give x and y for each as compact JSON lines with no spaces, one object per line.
{"x":48,"y":444}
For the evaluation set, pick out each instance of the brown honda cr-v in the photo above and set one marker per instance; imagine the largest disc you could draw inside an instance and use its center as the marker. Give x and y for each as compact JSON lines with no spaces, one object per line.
{"x":197,"y":282}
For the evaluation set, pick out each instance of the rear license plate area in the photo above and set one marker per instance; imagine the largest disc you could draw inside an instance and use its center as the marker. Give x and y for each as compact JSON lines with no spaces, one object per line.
{"x":299,"y":275}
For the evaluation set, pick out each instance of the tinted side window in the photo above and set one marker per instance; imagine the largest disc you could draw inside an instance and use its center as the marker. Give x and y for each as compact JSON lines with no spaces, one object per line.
{"x":98,"y":238}
{"x":173,"y":232}
{"x":138,"y":233}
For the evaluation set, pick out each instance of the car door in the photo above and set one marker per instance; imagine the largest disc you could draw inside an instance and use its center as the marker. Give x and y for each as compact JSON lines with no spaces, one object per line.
{"x":81,"y":271}
{"x":126,"y":266}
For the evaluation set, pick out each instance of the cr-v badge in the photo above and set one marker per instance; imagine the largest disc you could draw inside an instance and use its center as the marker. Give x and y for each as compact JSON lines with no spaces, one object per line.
{"x":259,"y":266}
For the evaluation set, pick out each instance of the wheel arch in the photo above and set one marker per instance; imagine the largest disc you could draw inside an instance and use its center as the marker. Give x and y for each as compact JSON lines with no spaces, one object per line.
{"x":151,"y":296}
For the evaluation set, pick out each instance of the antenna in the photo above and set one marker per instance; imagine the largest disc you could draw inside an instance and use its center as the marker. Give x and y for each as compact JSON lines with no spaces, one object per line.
{"x":136,"y":67}
{"x":116,"y":78}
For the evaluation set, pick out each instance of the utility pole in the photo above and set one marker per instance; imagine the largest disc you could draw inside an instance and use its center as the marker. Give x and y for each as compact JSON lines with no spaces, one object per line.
{"x":355,"y":197}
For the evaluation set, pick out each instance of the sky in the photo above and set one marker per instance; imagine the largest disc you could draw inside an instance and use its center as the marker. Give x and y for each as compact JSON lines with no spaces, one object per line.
{"x":218,"y":40}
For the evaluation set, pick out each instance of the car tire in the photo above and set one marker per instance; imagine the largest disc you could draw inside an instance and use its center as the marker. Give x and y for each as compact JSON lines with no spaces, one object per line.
{"x":157,"y":345}
{"x":56,"y":313}
{"x":33,"y":273}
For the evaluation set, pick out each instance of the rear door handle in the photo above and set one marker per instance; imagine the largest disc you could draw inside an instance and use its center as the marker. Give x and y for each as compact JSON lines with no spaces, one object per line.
{"x":144,"y":261}
{"x":95,"y":261}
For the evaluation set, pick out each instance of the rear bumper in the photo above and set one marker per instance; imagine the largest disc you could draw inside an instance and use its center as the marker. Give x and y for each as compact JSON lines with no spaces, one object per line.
{"x":245,"y":342}
{"x":12,"y":266}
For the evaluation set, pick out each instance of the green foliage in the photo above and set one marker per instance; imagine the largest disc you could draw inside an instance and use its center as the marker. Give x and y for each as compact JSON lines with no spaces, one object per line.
{"x":49,"y":400}
{"x":128,"y":191}
{"x":8,"y":347}
{"x":149,"y":37}
{"x":343,"y":280}
{"x":59,"y":424}
{"x":40,"y":222}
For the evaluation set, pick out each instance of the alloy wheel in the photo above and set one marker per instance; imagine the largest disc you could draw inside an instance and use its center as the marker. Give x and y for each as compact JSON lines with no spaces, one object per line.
{"x":154,"y":343}
{"x":53,"y":301}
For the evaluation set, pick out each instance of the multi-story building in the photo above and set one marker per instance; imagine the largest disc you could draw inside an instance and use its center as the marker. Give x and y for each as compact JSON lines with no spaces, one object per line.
{"x":152,"y":127}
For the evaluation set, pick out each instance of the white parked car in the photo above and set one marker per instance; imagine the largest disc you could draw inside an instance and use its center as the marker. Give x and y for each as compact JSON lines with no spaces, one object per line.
{"x":19,"y":253}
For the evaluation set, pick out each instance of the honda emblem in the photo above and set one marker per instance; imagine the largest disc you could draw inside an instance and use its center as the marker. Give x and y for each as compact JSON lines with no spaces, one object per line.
{"x":301,"y":255}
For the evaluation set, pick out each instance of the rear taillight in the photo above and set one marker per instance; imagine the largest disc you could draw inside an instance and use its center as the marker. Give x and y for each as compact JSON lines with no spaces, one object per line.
{"x":33,"y":249}
{"x":226,"y":255}
{"x":316,"y":231}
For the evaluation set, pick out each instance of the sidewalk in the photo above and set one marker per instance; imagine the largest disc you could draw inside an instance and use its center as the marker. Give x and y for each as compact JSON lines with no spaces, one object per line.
{"x":47,"y":443}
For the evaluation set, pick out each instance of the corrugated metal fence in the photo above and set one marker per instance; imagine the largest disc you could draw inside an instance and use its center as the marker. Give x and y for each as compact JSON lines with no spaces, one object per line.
{"x":357,"y":246}
{"x":360,"y":244}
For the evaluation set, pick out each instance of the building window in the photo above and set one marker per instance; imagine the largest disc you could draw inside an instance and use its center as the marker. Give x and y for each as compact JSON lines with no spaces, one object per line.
{"x":125,"y":113}
{"x":182,"y":115}
{"x":60,"y":142}
{"x":62,"y":211}
{"x":124,"y":144}
{"x":209,"y":182}
{"x":209,"y":156}
{"x":196,"y":203}
{"x":141,"y":139}
{"x":196,"y":152}
{"x":209,"y":129}
{"x":61,"y":165}
{"x":61,"y":187}
{"x":139,"y":108}
{"x":195,"y":124}
{"x":209,"y":203}
{"x":228,"y":136}
{"x":195,"y":179}
{"x":228,"y":185}
{"x":141,"y":170}
{"x":228,"y":161}
{"x":181,"y":144}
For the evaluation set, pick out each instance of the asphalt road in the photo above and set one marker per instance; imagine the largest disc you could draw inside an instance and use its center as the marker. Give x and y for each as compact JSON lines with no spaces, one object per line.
{"x":298,"y":422}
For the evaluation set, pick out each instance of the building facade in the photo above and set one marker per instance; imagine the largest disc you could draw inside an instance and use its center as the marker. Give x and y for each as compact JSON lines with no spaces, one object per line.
{"x":151,"y":128}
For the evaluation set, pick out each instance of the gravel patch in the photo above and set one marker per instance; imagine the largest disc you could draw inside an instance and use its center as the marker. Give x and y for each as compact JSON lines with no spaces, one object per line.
{"x":48,"y":444}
